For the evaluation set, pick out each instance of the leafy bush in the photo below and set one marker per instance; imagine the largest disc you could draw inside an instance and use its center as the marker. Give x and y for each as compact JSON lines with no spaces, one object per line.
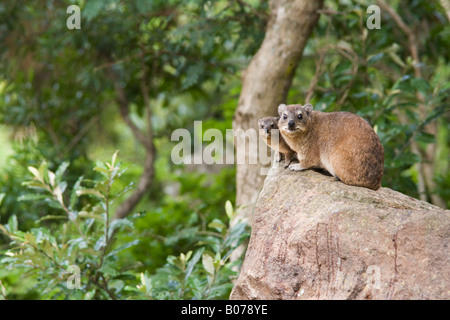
{"x":79,"y":258}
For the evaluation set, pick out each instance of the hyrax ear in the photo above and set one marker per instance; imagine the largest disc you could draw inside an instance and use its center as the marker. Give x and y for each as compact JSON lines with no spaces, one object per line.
{"x":281,"y":109}
{"x":308,"y":108}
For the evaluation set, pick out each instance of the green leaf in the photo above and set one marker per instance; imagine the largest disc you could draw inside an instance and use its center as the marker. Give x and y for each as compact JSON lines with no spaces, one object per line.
{"x":175,"y":262}
{"x":113,"y":160}
{"x":78,"y":243}
{"x":73,"y":215}
{"x":32,"y":197}
{"x":86,"y":214}
{"x":60,"y":171}
{"x":53,"y":203}
{"x":47,"y":248}
{"x":229,"y":209}
{"x":193,"y":74}
{"x":425,"y":138}
{"x":374,"y":58}
{"x":51,"y":217}
{"x":12,"y":225}
{"x":188,"y":256}
{"x":103,"y":171}
{"x":236,"y":234}
{"x":2,"y":196}
{"x":36,"y":173}
{"x":93,"y":8}
{"x":43,"y":234}
{"x":146,"y":283}
{"x":89,"y":295}
{"x":51,"y":178}
{"x":122,"y":247}
{"x":3,"y":290}
{"x":108,"y":270}
{"x":144,"y":6}
{"x":208,"y":263}
{"x":73,"y":195}
{"x":217,"y":224}
{"x":100,"y":243}
{"x":34,"y":184}
{"x":92,"y":192}
{"x":57,"y":192}
{"x":421,"y":85}
{"x":43,"y":169}
{"x":119,"y":223}
{"x":125,"y":276}
{"x":30,"y":238}
{"x":396,"y":58}
{"x":191,"y":264}
{"x":4,"y":230}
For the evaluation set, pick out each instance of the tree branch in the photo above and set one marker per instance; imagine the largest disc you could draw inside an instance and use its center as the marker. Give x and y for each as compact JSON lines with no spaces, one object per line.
{"x":86,"y":128}
{"x":412,"y":39}
{"x":125,"y":110}
{"x":425,"y":168}
{"x":146,"y":140}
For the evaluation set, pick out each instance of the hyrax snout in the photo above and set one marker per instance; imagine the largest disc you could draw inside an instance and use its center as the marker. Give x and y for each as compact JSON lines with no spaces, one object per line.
{"x":296,"y":119}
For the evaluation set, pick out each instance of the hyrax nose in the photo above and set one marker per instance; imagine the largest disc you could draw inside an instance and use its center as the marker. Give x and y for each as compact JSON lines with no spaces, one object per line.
{"x":291,"y":124}
{"x":267,"y":130}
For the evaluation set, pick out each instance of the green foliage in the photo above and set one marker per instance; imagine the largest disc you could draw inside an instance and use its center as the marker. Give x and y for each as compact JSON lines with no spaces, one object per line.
{"x":177,"y":223}
{"x":371,"y":73}
{"x":86,"y":242}
{"x":205,"y":274}
{"x":83,"y":239}
{"x":56,"y":84}
{"x":59,"y":101}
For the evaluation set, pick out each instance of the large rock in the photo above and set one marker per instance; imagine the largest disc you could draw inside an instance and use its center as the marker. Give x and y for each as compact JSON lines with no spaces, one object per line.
{"x":316,"y":238}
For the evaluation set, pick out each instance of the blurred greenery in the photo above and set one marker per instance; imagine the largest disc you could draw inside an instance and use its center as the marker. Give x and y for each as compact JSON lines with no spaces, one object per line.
{"x":59,"y":108}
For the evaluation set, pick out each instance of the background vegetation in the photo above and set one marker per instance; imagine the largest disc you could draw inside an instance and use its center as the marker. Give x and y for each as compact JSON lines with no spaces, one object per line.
{"x":136,"y":71}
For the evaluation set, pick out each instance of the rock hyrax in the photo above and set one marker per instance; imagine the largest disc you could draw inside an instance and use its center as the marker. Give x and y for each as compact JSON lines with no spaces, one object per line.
{"x":341,"y":142}
{"x":266,"y":125}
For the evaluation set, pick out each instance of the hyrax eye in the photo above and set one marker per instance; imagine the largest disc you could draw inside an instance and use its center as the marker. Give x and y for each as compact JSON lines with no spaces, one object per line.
{"x":300,"y":116}
{"x":284,"y":116}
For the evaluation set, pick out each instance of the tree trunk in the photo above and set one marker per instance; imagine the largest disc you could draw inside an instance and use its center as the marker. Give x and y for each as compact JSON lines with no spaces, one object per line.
{"x":266,"y":81}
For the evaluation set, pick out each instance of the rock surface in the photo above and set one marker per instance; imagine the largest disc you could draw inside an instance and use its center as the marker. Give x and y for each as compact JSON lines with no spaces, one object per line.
{"x":316,"y":238}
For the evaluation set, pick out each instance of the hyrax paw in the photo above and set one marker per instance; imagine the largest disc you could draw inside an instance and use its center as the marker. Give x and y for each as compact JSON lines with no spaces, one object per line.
{"x":296,"y":167}
{"x":287,"y":163}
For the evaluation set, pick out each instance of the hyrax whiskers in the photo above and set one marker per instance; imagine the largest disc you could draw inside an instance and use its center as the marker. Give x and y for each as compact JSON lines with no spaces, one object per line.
{"x":266,"y":125}
{"x":342,"y":143}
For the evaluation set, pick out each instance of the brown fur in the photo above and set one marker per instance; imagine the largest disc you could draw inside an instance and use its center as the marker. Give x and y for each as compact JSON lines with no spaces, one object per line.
{"x":266,"y":125}
{"x":341,"y":142}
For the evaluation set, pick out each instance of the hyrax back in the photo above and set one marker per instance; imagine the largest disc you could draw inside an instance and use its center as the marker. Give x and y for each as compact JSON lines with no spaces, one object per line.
{"x":341,"y":142}
{"x":266,"y":125}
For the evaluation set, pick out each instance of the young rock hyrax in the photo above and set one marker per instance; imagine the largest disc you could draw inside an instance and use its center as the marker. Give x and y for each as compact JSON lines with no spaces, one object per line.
{"x":341,"y":142}
{"x":266,"y":125}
